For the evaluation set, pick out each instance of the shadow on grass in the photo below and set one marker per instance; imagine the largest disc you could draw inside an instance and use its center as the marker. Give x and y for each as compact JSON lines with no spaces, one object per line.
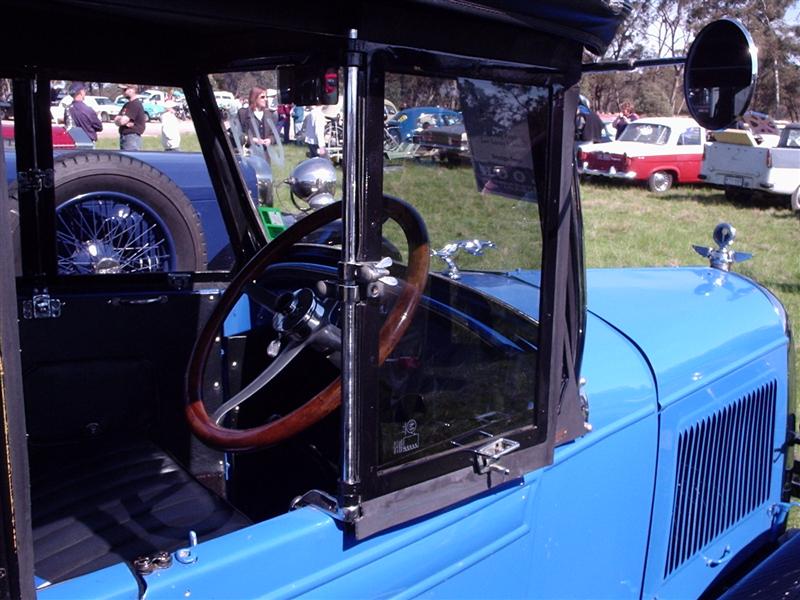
{"x":761,"y":202}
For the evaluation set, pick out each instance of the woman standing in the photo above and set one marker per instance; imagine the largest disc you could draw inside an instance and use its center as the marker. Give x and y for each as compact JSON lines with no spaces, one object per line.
{"x":259,"y":123}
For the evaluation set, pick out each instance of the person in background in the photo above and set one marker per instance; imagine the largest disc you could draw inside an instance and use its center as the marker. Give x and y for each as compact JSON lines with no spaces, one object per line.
{"x":255,"y":120}
{"x":284,"y":121}
{"x":131,"y":120}
{"x":298,"y":116}
{"x":314,"y":131}
{"x":588,"y":125}
{"x":624,"y":117}
{"x":170,"y":127}
{"x":81,"y":115}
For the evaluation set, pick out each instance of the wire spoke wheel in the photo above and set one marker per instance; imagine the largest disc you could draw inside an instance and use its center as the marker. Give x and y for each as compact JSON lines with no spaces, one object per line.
{"x":111,"y":232}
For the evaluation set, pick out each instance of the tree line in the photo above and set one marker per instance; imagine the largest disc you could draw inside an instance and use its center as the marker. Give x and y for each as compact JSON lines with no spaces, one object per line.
{"x":663,"y":28}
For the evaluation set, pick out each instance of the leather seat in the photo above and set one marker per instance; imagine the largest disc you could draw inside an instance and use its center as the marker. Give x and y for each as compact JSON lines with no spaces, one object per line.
{"x":95,"y":504}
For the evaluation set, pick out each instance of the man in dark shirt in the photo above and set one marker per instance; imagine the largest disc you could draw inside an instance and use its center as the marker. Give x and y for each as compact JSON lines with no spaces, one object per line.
{"x":131,"y":120}
{"x":83,"y":116}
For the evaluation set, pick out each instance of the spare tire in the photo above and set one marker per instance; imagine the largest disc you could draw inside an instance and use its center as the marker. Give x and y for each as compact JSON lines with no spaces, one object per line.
{"x":117,"y":214}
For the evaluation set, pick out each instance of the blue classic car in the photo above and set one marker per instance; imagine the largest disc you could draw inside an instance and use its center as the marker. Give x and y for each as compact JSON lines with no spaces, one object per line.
{"x":476,"y":417}
{"x":409,"y":122}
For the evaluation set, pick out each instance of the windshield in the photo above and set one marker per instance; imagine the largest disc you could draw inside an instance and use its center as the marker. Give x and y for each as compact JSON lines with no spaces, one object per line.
{"x":478,"y":192}
{"x":646,"y":133}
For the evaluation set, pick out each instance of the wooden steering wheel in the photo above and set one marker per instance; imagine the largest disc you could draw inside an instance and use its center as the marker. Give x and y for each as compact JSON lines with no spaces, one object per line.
{"x":207,"y":427}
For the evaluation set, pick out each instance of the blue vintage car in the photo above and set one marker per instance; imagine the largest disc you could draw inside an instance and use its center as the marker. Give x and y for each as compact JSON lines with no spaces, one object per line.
{"x":407,"y":123}
{"x":168,"y":195}
{"x":479,"y":417}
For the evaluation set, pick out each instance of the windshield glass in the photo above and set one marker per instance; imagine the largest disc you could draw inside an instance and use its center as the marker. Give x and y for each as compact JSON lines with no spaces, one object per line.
{"x":647,"y":133}
{"x":471,"y":180}
{"x":455,"y":379}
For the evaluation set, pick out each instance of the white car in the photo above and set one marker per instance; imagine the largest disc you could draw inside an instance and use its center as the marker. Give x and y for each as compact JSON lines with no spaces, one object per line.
{"x":743,"y":164}
{"x":105,"y":108}
{"x":227,"y":101}
{"x":660,"y":151}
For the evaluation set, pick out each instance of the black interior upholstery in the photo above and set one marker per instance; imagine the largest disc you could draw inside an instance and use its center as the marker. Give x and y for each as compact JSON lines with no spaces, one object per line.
{"x":100,"y":502}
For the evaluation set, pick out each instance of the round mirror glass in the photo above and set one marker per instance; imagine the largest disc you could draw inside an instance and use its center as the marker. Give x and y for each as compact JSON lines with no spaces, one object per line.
{"x":720,"y":74}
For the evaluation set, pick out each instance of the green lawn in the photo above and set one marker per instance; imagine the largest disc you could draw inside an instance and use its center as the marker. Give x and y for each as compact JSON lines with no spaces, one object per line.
{"x":624,"y":224}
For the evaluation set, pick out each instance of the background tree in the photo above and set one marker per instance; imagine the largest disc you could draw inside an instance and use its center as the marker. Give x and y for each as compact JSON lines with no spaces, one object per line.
{"x":666,"y":27}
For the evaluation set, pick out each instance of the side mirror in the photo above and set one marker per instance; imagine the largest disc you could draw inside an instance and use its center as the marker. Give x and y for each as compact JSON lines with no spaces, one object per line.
{"x":720,"y":74}
{"x":308,"y":85}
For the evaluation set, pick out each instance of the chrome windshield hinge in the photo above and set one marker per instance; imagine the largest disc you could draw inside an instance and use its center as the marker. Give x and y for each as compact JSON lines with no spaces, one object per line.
{"x":35,"y":180}
{"x":486,"y":457}
{"x":42,"y":306}
{"x":327,"y":504}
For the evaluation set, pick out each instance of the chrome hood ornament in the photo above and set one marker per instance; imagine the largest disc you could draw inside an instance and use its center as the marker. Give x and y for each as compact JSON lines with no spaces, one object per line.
{"x":723,"y":256}
{"x":313,"y":181}
{"x":449,"y":251}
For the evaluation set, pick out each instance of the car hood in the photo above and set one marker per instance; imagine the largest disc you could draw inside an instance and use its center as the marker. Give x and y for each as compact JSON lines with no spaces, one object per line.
{"x":690,"y":325}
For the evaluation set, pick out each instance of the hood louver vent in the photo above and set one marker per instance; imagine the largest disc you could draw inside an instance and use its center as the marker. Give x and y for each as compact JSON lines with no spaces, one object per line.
{"x":723,"y":472}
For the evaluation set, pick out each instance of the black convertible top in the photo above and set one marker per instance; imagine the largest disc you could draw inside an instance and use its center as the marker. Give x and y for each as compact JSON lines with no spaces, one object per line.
{"x":96,"y":34}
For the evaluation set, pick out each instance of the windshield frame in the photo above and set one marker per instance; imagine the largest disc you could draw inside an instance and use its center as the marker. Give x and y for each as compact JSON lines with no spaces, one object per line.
{"x":561,"y":303}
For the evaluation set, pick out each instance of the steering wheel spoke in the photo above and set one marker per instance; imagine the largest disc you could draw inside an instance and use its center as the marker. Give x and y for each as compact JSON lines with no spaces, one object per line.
{"x":276,"y":366}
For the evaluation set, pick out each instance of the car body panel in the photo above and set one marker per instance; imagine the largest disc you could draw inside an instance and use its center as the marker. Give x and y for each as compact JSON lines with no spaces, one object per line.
{"x":305,"y":554}
{"x":717,"y":531}
{"x":698,"y":345}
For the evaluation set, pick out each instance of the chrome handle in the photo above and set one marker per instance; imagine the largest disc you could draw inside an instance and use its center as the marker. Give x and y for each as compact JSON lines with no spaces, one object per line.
{"x":715,"y":562}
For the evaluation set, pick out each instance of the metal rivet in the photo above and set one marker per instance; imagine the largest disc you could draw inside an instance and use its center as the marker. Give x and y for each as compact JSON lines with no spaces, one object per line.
{"x":234,"y":364}
{"x":216,"y":385}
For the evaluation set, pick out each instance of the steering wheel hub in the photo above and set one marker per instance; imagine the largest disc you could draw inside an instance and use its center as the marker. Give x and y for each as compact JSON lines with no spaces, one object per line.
{"x":298,"y":313}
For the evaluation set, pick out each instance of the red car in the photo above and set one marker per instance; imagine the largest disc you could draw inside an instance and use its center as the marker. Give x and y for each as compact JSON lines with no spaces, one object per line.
{"x":660,"y":151}
{"x":62,"y":139}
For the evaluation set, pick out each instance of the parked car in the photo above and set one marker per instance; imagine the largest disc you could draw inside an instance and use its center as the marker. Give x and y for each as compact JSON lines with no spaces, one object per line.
{"x":320,"y":421}
{"x":448,"y":143}
{"x":62,"y":140}
{"x":227,"y":101}
{"x":411,"y":121}
{"x":735,"y":161}
{"x":154,"y":187}
{"x":660,"y":151}
{"x":106,"y":109}
{"x":152,"y":110}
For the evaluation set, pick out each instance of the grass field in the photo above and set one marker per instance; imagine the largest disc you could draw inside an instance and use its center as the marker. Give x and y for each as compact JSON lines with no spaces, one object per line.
{"x":624,"y":225}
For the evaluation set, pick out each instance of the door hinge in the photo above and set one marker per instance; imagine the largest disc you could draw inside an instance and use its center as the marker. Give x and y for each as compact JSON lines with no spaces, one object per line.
{"x":35,"y":180}
{"x":42,"y":306}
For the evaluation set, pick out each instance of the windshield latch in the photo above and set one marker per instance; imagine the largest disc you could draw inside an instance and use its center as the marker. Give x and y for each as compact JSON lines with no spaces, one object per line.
{"x":369,"y":278}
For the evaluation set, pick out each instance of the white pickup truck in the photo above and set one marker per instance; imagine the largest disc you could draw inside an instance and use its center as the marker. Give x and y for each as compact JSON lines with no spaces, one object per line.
{"x":737,"y":162}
